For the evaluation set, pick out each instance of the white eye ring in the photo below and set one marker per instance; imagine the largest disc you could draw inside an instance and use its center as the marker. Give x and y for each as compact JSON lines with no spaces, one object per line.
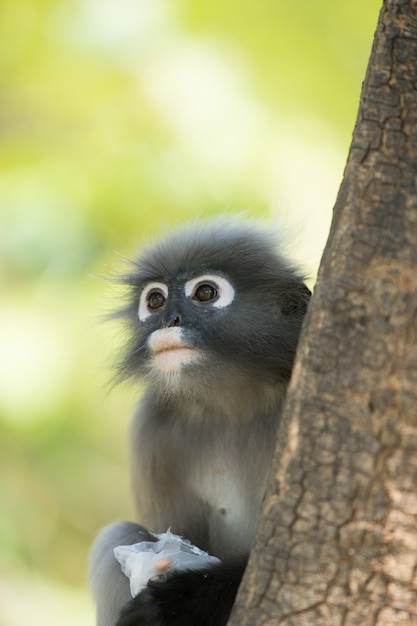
{"x":225,"y":291}
{"x":144,"y":310}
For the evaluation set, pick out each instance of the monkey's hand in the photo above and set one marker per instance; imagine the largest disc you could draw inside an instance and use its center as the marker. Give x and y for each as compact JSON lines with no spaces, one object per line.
{"x":192,"y":598}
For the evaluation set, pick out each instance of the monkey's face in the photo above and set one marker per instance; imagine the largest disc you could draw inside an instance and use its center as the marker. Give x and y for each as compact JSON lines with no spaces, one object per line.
{"x":179,"y":322}
{"x":202,"y":331}
{"x":178,"y":310}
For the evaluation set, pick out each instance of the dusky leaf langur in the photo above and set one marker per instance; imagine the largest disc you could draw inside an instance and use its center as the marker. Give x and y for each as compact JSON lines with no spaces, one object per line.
{"x":214,"y":314}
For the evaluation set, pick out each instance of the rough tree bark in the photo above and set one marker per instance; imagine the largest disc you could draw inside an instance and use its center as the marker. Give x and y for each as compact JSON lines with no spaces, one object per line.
{"x":337,"y":539}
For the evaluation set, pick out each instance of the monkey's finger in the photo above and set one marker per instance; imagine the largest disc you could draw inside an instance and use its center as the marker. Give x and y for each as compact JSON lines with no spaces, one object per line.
{"x":163,"y":564}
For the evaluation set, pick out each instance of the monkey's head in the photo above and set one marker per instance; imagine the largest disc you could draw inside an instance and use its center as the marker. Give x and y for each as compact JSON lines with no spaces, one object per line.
{"x":212,"y":304}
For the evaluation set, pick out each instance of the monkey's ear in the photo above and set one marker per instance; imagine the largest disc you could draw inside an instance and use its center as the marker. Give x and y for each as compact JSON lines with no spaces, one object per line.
{"x":296,"y":299}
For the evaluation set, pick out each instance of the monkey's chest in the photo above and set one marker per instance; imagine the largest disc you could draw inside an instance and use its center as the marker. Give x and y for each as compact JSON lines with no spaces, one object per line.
{"x":232,"y":501}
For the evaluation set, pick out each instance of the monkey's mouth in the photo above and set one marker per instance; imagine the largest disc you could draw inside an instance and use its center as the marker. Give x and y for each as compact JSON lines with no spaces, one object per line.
{"x":173,"y":359}
{"x":169,"y":352}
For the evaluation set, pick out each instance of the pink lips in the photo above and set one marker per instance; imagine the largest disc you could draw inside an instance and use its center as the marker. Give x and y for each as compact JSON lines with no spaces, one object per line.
{"x":166,"y":339}
{"x":169,"y":350}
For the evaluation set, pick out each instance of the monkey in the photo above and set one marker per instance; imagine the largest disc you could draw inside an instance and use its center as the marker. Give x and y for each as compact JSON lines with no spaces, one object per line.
{"x":213,"y":313}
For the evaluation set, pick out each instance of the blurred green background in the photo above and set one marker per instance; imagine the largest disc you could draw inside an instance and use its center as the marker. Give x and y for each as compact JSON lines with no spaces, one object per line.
{"x":118,"y":117}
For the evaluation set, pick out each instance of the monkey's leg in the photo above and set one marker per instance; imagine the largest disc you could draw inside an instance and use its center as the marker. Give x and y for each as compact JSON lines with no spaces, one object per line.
{"x":111,"y":588}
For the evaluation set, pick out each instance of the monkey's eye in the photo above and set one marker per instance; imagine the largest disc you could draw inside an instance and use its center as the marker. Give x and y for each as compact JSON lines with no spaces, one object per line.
{"x":211,"y":289}
{"x":152,"y":298}
{"x":205,"y":293}
{"x":155,"y":300}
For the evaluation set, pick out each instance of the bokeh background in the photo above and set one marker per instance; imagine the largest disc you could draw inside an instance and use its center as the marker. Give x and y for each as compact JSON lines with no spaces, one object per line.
{"x":118,"y":117}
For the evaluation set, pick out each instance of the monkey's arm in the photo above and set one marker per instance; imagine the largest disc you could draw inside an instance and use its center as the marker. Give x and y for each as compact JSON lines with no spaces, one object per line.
{"x":193,"y":598}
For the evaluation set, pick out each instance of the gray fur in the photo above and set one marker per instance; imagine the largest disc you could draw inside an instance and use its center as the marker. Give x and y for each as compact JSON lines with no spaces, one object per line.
{"x":109,"y":585}
{"x":202,"y":438}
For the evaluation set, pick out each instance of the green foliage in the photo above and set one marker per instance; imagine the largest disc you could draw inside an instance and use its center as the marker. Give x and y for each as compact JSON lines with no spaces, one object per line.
{"x":115,"y":119}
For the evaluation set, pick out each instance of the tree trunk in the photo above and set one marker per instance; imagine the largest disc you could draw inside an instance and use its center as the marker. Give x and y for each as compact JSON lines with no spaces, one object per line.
{"x":337,"y":540}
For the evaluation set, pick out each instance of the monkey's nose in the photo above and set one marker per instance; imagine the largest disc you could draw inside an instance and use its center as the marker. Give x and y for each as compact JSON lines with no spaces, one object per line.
{"x":174,"y":322}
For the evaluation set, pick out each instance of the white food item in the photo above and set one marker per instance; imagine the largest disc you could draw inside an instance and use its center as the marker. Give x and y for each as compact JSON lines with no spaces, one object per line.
{"x":139,"y":561}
